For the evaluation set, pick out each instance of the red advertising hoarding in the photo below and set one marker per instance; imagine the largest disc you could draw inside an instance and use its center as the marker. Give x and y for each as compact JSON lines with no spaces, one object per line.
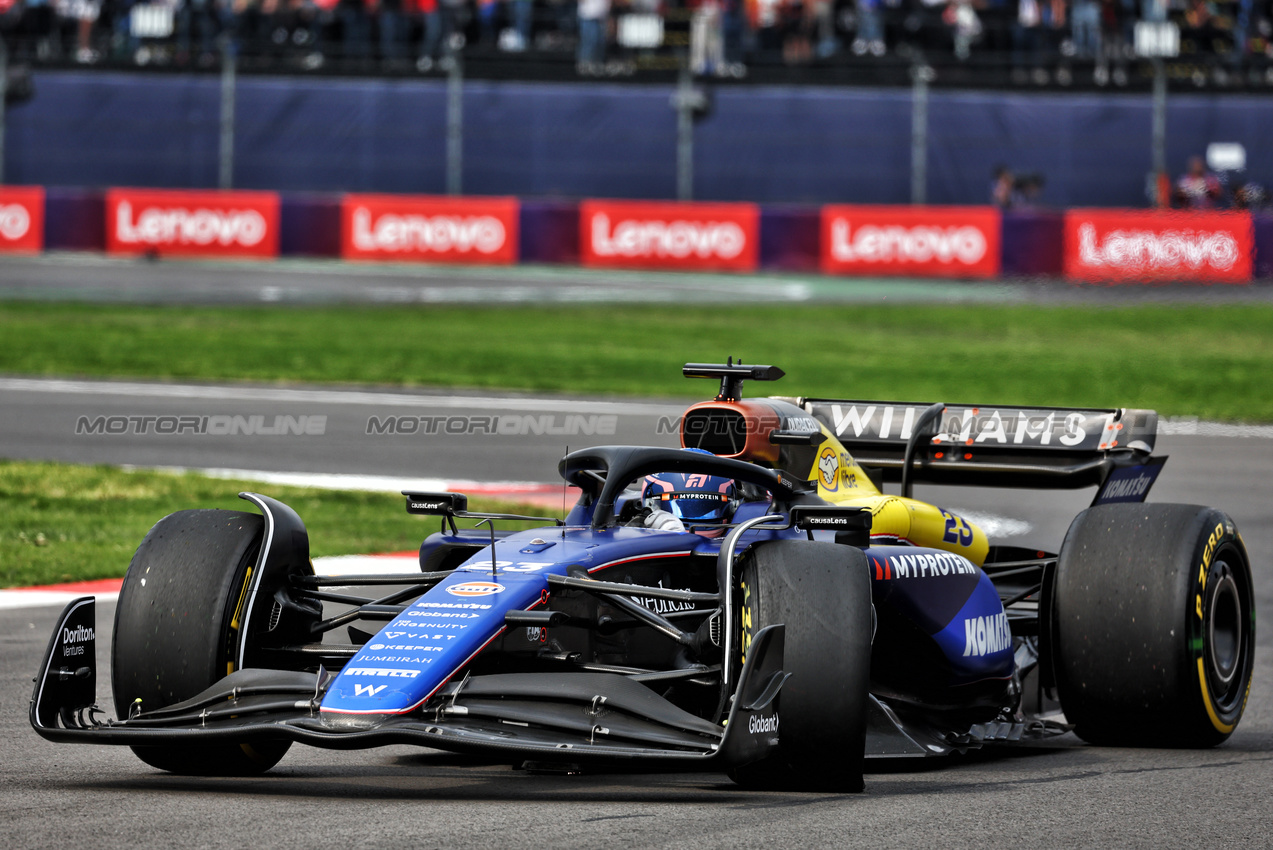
{"x":1158,"y":245}
{"x":194,"y":223}
{"x":21,"y":219}
{"x":887,"y":240}
{"x":429,"y":229}
{"x":669,"y":235}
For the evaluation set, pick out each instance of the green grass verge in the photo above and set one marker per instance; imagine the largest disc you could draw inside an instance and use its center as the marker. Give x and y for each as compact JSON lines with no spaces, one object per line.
{"x":1212,"y":361}
{"x":60,"y":522}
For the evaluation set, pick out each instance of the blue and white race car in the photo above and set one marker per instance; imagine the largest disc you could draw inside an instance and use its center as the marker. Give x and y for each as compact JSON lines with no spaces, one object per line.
{"x":752,"y":603}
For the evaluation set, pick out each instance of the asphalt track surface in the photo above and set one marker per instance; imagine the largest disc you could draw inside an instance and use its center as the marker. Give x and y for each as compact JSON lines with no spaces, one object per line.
{"x":1065,"y":793}
{"x":1059,"y":795}
{"x":96,"y":278}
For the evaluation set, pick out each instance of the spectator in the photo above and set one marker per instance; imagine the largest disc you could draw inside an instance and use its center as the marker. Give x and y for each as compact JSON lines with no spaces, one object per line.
{"x":965,"y":26}
{"x":1002,"y":187}
{"x":1028,"y":191}
{"x":85,"y":14}
{"x":393,"y":34}
{"x":870,"y":28}
{"x":1027,"y":35}
{"x":36,"y":32}
{"x":1038,"y":22}
{"x":488,"y":22}
{"x":765,"y":17}
{"x":707,"y":46}
{"x":523,"y":17}
{"x":431,"y":37}
{"x":1198,"y":189}
{"x":455,"y":21}
{"x":196,"y":31}
{"x":1241,"y":31}
{"x":1249,"y":196}
{"x":355,"y":26}
{"x":1085,"y":28}
{"x":124,"y":42}
{"x":312,"y":16}
{"x":826,"y":43}
{"x":594,"y":16}
{"x":565,"y":29}
{"x":797,"y":27}
{"x":734,"y":33}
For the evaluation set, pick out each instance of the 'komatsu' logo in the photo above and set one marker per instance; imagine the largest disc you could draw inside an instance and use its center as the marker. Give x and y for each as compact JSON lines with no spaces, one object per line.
{"x":1128,"y":487}
{"x":984,"y":635}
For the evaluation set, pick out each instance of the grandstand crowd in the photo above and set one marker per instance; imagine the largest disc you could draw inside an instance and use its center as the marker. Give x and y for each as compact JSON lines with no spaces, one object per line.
{"x":716,"y":37}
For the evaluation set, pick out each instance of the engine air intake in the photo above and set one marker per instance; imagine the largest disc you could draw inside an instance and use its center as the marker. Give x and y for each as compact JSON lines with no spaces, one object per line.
{"x":717,"y":430}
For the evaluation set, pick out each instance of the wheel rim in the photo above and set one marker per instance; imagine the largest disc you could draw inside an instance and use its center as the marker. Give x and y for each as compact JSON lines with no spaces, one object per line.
{"x":1226,"y":639}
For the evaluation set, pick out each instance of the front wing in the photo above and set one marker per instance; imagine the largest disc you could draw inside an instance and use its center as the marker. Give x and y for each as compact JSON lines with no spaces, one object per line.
{"x":580,"y":718}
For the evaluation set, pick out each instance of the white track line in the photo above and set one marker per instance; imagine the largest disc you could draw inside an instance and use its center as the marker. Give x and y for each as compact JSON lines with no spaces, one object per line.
{"x":11,"y":599}
{"x":350,"y":397}
{"x":339,"y":565}
{"x":368,"y":483}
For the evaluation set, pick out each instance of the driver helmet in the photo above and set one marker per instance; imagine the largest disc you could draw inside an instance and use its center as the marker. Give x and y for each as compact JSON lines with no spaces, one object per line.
{"x":693,"y":498}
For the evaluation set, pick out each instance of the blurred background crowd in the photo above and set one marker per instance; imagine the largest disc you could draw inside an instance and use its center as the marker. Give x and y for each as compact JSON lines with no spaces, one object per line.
{"x":1032,"y":41}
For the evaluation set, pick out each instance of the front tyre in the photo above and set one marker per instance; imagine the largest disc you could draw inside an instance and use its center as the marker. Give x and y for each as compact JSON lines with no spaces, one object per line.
{"x":178,"y":624}
{"x":1154,"y":625}
{"x":821,"y":592}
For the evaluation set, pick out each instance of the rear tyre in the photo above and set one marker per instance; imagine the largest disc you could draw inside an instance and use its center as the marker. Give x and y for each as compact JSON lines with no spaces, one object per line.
{"x":177,"y":630}
{"x":821,"y":592}
{"x":1154,"y":625}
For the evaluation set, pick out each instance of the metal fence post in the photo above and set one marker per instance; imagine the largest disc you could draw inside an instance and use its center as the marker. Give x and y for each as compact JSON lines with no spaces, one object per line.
{"x":4,"y":95}
{"x":1160,"y":117}
{"x":226,"y":176}
{"x":920,"y":75}
{"x":454,"y":124}
{"x":1158,"y":41}
{"x":684,"y":137}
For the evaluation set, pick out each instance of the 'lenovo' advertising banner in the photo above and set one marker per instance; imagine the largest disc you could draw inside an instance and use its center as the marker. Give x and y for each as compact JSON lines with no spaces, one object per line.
{"x":429,"y":229}
{"x":21,"y":219}
{"x":654,"y":235}
{"x":1158,"y":245}
{"x":939,"y":241}
{"x":180,"y":223}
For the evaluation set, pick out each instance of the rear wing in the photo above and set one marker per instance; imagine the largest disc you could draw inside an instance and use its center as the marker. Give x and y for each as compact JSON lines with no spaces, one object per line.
{"x":980,"y":445}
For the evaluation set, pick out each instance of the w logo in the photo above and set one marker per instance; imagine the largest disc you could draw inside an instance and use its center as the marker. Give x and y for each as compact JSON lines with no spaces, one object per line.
{"x":368,"y":690}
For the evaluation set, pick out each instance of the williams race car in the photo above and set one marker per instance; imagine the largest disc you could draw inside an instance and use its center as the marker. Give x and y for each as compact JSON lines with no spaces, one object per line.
{"x":751,"y":603}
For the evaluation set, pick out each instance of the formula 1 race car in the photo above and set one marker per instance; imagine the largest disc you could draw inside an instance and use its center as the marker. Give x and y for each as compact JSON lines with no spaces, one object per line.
{"x":751,"y":603}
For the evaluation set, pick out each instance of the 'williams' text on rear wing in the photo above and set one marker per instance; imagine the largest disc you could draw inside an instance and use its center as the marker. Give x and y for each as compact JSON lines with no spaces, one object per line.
{"x":1039,"y":447}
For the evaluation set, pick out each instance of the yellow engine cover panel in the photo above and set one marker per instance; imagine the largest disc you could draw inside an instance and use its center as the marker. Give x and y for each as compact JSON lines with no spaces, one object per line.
{"x":893,"y":518}
{"x":900,"y":520}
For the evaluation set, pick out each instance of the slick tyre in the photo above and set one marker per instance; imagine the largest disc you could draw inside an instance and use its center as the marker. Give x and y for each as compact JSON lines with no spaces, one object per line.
{"x":821,"y":592}
{"x":1153,"y":625}
{"x":177,"y":629}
